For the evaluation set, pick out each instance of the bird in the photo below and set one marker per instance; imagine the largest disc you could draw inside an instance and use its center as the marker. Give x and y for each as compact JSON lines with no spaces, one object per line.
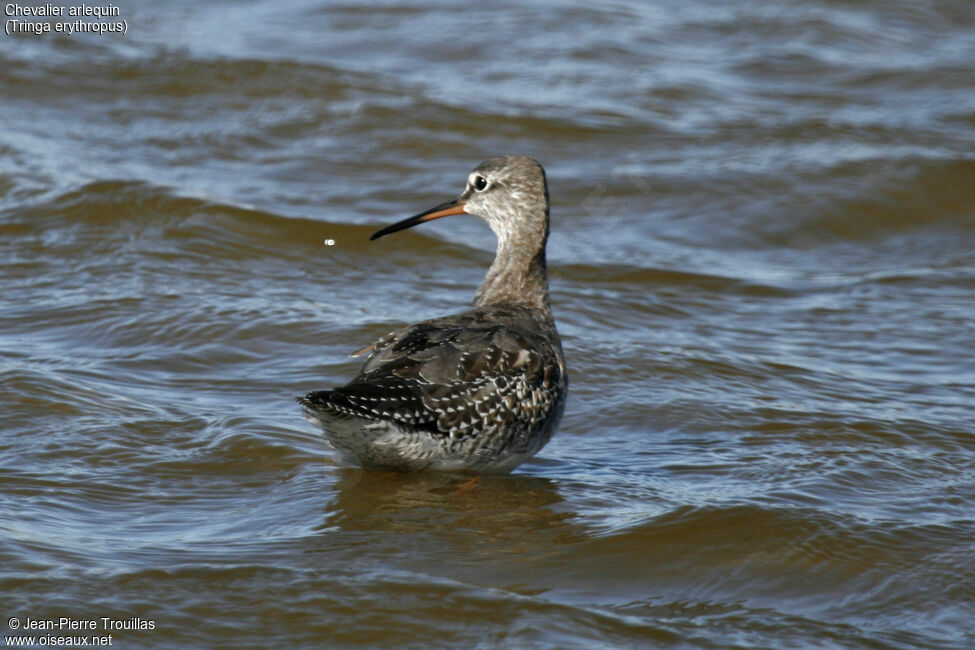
{"x":478,"y":391}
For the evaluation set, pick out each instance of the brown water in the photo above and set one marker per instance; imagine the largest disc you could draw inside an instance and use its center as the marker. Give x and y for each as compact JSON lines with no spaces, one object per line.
{"x":762,"y":265}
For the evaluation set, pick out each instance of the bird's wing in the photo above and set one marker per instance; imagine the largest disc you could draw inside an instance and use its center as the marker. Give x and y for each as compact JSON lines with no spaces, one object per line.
{"x":455,"y":377}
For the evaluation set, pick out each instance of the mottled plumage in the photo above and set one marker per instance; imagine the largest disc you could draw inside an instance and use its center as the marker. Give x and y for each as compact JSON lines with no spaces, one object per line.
{"x":480,"y":390}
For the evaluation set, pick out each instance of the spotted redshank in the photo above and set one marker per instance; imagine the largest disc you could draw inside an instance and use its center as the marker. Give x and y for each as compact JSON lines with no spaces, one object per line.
{"x":482,"y":390}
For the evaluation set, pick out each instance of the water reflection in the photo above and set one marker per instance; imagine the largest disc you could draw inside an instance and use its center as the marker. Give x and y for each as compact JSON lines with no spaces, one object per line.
{"x":476,"y":527}
{"x":404,"y":502}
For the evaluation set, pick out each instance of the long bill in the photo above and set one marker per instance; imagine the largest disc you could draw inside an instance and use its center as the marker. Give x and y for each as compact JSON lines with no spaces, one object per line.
{"x":443,"y":210}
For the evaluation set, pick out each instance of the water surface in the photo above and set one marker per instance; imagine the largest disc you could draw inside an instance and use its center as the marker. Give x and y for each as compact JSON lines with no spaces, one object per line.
{"x":762,"y":264}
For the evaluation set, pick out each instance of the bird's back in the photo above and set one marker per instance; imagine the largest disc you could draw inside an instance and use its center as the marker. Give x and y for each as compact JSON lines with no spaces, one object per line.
{"x":483,"y":389}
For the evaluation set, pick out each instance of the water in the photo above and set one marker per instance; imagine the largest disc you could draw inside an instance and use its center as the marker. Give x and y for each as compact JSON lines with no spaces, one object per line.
{"x":761,"y":263}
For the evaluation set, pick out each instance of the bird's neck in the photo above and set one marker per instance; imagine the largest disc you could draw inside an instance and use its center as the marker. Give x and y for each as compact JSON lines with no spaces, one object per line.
{"x":517,"y":276}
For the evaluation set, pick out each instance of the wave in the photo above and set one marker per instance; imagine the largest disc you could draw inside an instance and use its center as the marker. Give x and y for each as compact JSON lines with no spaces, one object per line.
{"x":798,"y":560}
{"x":113,"y":212}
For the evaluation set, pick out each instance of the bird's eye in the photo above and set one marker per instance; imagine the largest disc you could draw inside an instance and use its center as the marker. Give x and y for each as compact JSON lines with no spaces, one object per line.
{"x":480,"y":183}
